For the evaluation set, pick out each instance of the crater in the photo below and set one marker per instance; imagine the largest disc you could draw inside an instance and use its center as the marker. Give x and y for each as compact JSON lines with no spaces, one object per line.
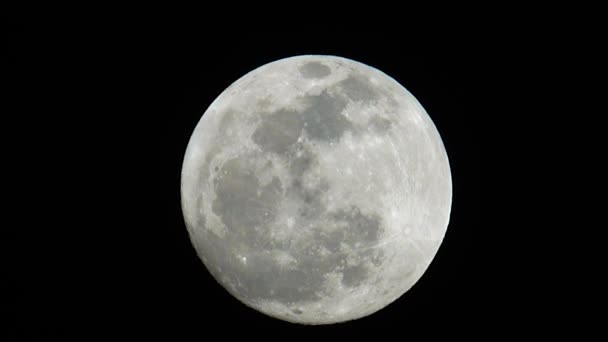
{"x":314,"y":70}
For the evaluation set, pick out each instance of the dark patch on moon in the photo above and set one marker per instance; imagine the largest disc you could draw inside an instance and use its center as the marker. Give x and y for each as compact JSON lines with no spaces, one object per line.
{"x":322,"y":120}
{"x":299,"y":165}
{"x":379,"y":124}
{"x":375,"y":255}
{"x":277,"y":132}
{"x":358,"y":231}
{"x":310,"y":205}
{"x":331,"y":240}
{"x":308,"y":199}
{"x":354,"y":275}
{"x":238,"y":191}
{"x":314,"y":70}
{"x":323,"y":117}
{"x":264,"y":103}
{"x":358,"y":227}
{"x":359,"y":88}
{"x":200,"y":222}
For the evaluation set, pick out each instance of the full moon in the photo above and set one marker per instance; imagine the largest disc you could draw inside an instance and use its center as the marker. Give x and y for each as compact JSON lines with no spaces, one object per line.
{"x":316,"y":189}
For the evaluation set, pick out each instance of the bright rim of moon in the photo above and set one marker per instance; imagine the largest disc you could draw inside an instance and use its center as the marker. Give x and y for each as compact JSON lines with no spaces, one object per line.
{"x":316,"y":189}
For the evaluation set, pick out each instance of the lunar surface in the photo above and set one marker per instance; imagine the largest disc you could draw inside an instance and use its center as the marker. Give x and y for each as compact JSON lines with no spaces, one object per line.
{"x":316,"y":189}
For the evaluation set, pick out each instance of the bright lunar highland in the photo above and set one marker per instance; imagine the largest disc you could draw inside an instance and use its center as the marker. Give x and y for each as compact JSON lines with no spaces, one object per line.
{"x":316,"y":189}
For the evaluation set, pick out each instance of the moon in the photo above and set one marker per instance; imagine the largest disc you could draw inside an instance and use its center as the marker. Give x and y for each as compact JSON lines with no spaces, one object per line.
{"x":316,"y":189}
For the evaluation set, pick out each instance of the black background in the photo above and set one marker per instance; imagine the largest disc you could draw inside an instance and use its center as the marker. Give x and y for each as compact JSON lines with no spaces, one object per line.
{"x":105,"y":249}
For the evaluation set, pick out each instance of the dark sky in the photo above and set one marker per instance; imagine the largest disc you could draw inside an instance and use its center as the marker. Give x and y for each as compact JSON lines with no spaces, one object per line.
{"x":106,"y":252}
